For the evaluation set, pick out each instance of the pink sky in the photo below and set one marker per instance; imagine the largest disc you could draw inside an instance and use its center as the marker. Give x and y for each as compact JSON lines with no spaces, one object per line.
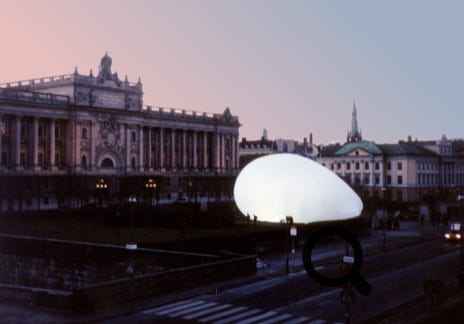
{"x":292,"y":67}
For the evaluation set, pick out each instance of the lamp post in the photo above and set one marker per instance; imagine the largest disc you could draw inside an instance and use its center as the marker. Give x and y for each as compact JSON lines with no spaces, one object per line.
{"x":101,"y":186}
{"x":131,"y":245}
{"x":384,"y":218}
{"x":460,"y":274}
{"x":151,"y":186}
{"x":289,"y":221}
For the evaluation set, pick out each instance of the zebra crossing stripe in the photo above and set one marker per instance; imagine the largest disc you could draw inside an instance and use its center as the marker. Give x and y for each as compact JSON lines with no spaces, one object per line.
{"x":222,"y":314}
{"x":207,"y":311}
{"x":298,"y":320}
{"x":318,"y":321}
{"x":164,"y":307}
{"x":191,"y":309}
{"x":257,"y":318}
{"x":178,"y":308}
{"x":277,"y":319}
{"x":239,"y":316}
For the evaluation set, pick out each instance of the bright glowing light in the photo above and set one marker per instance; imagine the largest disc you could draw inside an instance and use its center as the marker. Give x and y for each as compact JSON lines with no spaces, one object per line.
{"x":280,"y":185}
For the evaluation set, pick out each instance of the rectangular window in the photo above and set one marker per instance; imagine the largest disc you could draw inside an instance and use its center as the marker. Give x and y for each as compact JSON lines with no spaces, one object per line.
{"x":400,"y":180}
{"x":389,"y":180}
{"x":332,"y":166}
{"x":357,"y":165}
{"x":366,"y":165}
{"x":4,"y":159}
{"x":3,"y":128}
{"x":377,"y":165}
{"x":389,"y":166}
{"x":22,"y":159}
{"x":348,"y":165}
{"x":400,"y":166}
{"x":377,"y":180}
{"x":339,"y":166}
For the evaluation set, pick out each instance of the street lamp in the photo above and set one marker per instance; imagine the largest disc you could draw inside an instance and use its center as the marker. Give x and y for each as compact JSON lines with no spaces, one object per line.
{"x":384,"y":218}
{"x":151,"y":186}
{"x":101,"y":186}
{"x":131,"y":245}
{"x":289,"y":221}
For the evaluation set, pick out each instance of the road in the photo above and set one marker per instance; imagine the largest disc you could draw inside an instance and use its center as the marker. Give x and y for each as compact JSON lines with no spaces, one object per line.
{"x":396,"y":277}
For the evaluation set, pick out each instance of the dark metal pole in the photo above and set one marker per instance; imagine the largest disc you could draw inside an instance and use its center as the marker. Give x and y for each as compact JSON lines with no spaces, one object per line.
{"x":131,"y":224}
{"x":287,"y":270}
{"x":384,"y":243}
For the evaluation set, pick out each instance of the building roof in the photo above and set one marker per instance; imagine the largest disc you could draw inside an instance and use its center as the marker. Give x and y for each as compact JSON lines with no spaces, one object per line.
{"x":407,"y":148}
{"x":369,"y":147}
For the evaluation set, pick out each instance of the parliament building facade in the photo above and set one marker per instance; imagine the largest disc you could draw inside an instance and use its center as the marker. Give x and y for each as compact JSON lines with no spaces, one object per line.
{"x":75,"y":139}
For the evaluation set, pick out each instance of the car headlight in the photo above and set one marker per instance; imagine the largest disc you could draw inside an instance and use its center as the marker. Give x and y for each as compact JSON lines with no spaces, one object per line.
{"x":447,"y":235}
{"x":458,"y":236}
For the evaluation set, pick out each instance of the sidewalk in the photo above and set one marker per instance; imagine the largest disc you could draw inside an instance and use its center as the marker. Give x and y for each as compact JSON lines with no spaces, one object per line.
{"x":274,"y":266}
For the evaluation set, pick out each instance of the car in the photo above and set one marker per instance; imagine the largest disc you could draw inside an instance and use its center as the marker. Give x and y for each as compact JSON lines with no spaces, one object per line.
{"x":454,"y":233}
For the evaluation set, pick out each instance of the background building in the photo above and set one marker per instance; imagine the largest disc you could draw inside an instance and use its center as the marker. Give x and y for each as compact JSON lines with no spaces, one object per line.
{"x":250,"y":150}
{"x":73,"y":139}
{"x":406,"y":172}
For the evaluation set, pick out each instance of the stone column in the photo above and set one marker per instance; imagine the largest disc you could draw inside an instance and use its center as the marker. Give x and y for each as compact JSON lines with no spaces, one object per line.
{"x":150,"y":149}
{"x":17,"y":142}
{"x":205,"y":150}
{"x":173,"y":149}
{"x":35,"y":143}
{"x":216,"y":151}
{"x":184,"y":149}
{"x":128,"y":148}
{"x":222,"y":154}
{"x":233,"y":141}
{"x":194,"y":149}
{"x":161,"y":148}
{"x":51,"y":145}
{"x":93,"y":144}
{"x":1,"y":131}
{"x":141,"y":159}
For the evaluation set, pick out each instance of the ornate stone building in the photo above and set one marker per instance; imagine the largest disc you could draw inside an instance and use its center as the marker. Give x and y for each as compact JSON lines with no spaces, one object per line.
{"x":62,"y":137}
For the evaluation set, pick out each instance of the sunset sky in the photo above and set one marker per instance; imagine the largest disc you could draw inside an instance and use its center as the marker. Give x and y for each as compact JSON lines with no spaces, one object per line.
{"x":292,"y":67}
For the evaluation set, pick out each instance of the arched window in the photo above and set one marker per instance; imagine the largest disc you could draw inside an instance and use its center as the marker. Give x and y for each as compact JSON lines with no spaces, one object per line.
{"x":84,"y":133}
{"x":134,"y":136}
{"x":107,"y":163}
{"x":84,"y":162}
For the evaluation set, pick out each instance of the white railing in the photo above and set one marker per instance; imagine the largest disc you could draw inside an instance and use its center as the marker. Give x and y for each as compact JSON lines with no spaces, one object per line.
{"x":183,"y":113}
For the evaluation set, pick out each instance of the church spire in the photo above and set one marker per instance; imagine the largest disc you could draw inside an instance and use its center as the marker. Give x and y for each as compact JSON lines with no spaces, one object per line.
{"x":354,"y":134}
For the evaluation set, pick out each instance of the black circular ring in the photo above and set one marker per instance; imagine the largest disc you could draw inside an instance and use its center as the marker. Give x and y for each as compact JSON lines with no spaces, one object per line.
{"x":312,"y":240}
